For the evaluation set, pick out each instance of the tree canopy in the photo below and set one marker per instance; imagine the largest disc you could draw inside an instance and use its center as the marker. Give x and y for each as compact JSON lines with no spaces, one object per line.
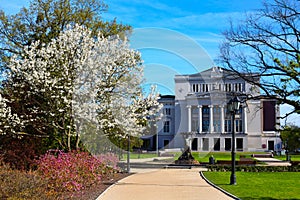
{"x":43,"y":20}
{"x":75,"y":82}
{"x":68,"y":75}
{"x":290,"y":136}
{"x":265,"y":44}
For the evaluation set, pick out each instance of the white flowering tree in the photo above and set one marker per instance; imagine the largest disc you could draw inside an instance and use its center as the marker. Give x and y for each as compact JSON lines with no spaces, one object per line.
{"x":77,"y":79}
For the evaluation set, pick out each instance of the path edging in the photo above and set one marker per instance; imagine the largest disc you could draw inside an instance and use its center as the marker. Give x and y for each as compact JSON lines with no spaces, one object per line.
{"x":218,"y":188}
{"x":103,"y":193}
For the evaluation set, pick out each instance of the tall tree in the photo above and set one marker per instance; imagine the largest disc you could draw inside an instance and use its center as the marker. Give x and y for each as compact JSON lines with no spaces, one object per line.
{"x":266,"y":45}
{"x":40,"y":23}
{"x":290,"y":135}
{"x":75,"y":81}
{"x":43,"y":20}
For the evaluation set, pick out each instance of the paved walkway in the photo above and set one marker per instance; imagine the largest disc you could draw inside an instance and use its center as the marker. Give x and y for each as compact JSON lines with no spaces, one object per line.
{"x":273,"y":161}
{"x":163,"y":184}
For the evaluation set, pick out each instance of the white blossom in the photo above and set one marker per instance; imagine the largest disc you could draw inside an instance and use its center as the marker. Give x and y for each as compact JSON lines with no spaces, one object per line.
{"x":82,"y":79}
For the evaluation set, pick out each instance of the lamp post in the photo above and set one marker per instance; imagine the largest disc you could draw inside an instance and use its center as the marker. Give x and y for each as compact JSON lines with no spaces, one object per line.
{"x":128,"y":154}
{"x":233,"y":106}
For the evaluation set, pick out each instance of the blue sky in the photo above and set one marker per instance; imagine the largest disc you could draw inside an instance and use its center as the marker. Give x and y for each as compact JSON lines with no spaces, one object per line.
{"x":174,"y":36}
{"x":183,"y":36}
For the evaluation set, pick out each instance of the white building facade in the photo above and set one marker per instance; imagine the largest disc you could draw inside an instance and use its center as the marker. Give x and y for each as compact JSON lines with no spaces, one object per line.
{"x":199,"y":109}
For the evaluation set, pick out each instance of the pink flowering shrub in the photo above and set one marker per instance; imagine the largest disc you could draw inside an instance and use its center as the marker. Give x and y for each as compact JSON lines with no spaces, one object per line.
{"x":74,"y":171}
{"x":109,"y":159}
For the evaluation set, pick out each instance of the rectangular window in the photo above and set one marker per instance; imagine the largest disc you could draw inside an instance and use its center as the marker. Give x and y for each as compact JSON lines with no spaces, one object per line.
{"x":167,"y":111}
{"x":205,"y":125}
{"x":205,"y":87}
{"x":195,"y":88}
{"x":205,"y":110}
{"x":229,"y":88}
{"x":227,"y":125}
{"x":227,"y":144}
{"x":166,"y":126}
{"x":238,"y":126}
{"x":239,"y":144}
{"x":205,"y":144}
{"x":269,"y":115}
{"x":217,"y":126}
{"x":216,"y":110}
{"x":195,"y":125}
{"x":216,"y":144}
{"x":236,"y":87}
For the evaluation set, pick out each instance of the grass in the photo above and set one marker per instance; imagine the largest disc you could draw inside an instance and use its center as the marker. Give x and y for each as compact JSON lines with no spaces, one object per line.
{"x":204,"y":156}
{"x":276,"y":185}
{"x":294,"y":157}
{"x":139,"y":156}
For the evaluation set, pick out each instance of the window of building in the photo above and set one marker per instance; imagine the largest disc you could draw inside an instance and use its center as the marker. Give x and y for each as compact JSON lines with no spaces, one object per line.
{"x":166,"y":143}
{"x":227,"y":144}
{"x":239,"y":144}
{"x":205,"y":144}
{"x":228,"y":87}
{"x":195,"y":88}
{"x":195,"y":110}
{"x":205,"y":125}
{"x":269,"y":115}
{"x":216,"y":110}
{"x":216,"y":144}
{"x":238,"y":126}
{"x":195,"y":125}
{"x":217,"y":126}
{"x":167,"y":111}
{"x":205,"y":87}
{"x":227,"y":125}
{"x":205,"y":110}
{"x":166,"y":126}
{"x":195,"y":144}
{"x":238,"y":87}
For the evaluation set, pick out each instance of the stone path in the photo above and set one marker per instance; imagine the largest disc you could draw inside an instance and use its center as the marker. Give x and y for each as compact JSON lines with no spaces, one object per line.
{"x":163,"y":184}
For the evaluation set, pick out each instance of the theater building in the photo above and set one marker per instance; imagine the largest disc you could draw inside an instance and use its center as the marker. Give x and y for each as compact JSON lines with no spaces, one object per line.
{"x":199,"y":111}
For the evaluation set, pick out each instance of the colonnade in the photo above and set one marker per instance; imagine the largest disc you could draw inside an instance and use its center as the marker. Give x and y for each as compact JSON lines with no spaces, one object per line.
{"x":242,"y":116}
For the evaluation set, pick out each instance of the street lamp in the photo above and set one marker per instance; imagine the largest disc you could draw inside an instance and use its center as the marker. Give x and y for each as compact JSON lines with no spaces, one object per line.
{"x":233,"y":106}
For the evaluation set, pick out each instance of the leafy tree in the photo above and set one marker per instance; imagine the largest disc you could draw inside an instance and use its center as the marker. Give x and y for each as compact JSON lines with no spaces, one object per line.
{"x":76,"y":80}
{"x":290,"y":135}
{"x":45,"y":19}
{"x":41,"y":22}
{"x":266,"y":46}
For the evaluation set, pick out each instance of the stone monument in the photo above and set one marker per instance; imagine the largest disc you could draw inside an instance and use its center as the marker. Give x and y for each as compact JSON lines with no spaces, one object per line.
{"x":186,"y":157}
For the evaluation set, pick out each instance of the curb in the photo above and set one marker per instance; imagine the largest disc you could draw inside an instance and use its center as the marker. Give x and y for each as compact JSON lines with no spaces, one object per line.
{"x":98,"y":198}
{"x":218,"y":188}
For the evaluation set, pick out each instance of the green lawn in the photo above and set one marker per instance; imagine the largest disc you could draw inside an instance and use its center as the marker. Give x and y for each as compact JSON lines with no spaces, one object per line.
{"x":276,"y":185}
{"x":204,"y":156}
{"x":293,"y":157}
{"x":139,"y":156}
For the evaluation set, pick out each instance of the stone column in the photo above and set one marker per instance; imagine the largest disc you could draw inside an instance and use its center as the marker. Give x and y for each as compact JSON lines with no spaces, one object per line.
{"x":245,"y":120}
{"x":189,"y":118}
{"x":200,"y":118}
{"x":222,"y":119}
{"x":211,"y":119}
